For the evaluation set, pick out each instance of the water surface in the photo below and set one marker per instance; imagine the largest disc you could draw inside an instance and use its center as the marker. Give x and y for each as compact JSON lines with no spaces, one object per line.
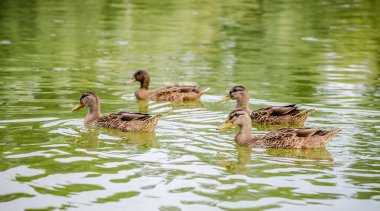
{"x":319,"y":54}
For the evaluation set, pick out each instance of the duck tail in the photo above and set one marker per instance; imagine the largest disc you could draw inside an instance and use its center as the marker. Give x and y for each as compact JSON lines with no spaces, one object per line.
{"x":152,"y":122}
{"x":301,"y":117}
{"x":335,"y":131}
{"x":304,"y":113}
{"x":202,"y":91}
{"x":156,"y":116}
{"x":329,"y":135}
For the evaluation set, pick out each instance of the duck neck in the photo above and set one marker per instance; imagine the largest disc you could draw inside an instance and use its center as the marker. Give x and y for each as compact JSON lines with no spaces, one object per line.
{"x":244,"y":137}
{"x":242,"y":103}
{"x":144,"y":84}
{"x":93,"y":113}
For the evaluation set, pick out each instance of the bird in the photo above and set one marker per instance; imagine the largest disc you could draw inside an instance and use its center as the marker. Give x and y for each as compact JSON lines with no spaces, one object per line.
{"x":281,"y":138}
{"x":288,"y":114}
{"x":123,"y":121}
{"x":169,"y":93}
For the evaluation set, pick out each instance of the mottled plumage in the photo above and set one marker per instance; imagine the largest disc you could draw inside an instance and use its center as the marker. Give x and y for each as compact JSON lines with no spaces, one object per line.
{"x":282,"y":138}
{"x":170,"y":93}
{"x":289,"y":114}
{"x":123,"y":121}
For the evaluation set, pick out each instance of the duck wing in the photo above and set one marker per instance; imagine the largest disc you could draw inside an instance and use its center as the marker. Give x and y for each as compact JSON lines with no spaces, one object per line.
{"x":176,"y":89}
{"x":187,"y":89}
{"x":128,"y":116}
{"x":275,"y":110}
{"x":306,"y":132}
{"x":281,"y":138}
{"x":177,"y":93}
{"x":282,"y":110}
{"x":295,"y":138}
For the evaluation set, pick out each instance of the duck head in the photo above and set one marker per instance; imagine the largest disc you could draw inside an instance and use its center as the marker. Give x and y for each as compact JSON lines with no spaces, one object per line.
{"x":88,"y":99}
{"x":236,"y":117}
{"x":141,"y":76}
{"x":236,"y":93}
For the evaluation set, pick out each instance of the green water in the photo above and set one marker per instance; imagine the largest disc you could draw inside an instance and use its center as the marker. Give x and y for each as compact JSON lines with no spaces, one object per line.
{"x":319,"y":54}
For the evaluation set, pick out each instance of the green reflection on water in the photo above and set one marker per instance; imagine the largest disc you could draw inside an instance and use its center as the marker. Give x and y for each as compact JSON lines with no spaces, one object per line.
{"x":319,"y":54}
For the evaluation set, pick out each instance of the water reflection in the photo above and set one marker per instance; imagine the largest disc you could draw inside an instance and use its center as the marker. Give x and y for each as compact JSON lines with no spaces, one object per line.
{"x":310,"y":154}
{"x":187,"y":104}
{"x":146,"y":139}
{"x":161,"y":106}
{"x":90,"y":139}
{"x":243,"y":160}
{"x":243,"y":163}
{"x":143,"y":106}
{"x":322,"y":54}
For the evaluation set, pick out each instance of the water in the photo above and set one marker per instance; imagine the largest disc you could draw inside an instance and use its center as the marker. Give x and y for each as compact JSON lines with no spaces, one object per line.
{"x":319,"y":54}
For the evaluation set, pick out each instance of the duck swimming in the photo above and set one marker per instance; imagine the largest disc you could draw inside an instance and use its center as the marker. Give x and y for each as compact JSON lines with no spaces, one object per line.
{"x":289,"y":114}
{"x":170,"y":93}
{"x":282,"y":138}
{"x":123,"y":121}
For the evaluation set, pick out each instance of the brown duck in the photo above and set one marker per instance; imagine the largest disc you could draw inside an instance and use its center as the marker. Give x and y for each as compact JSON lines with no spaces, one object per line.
{"x":289,"y":114}
{"x":282,"y":138}
{"x":170,"y":93}
{"x":123,"y":121}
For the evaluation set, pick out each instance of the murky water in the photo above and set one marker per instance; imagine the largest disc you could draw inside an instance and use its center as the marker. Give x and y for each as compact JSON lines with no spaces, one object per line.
{"x":319,"y":54}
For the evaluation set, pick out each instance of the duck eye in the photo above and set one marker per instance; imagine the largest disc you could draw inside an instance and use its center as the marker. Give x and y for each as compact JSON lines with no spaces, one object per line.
{"x":233,"y":116}
{"x":83,"y":96}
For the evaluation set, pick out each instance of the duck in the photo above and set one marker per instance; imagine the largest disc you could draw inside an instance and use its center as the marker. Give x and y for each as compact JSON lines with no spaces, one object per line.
{"x":281,"y":138}
{"x":289,"y":114}
{"x":169,"y":93}
{"x":122,"y":121}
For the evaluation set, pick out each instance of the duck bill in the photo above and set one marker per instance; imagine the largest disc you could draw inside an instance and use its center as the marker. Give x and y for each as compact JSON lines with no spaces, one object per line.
{"x":225,"y":125}
{"x":226,"y":98}
{"x":133,"y":79}
{"x":78,"y":107}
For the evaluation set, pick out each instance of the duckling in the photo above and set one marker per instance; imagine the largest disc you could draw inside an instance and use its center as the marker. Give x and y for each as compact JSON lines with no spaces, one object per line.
{"x":289,"y":114}
{"x":123,"y":121}
{"x":282,"y":138}
{"x":170,"y":93}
